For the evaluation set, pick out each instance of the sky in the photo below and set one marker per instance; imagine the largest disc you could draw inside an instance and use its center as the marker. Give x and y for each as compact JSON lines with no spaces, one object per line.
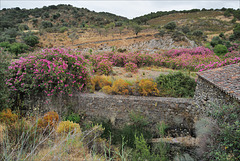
{"x":126,"y":8}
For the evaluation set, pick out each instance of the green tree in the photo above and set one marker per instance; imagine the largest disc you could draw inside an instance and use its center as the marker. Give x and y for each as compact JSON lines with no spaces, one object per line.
{"x":137,"y":29}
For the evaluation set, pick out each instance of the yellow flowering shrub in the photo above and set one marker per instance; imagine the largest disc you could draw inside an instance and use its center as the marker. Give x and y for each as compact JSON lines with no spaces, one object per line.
{"x":107,"y":89}
{"x":148,"y":88}
{"x":68,"y":127}
{"x":120,"y":87}
{"x":50,"y":119}
{"x":98,"y":82}
{"x":7,"y":116}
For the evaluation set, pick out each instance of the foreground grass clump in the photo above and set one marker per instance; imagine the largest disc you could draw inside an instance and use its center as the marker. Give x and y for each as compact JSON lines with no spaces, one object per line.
{"x":219,"y":133}
{"x":176,"y":85}
{"x":23,"y":139}
{"x":50,"y":72}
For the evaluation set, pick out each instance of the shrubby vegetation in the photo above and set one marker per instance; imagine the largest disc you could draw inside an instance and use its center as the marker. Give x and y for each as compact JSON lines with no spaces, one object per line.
{"x":219,"y":133}
{"x":176,"y":85}
{"x":48,"y":73}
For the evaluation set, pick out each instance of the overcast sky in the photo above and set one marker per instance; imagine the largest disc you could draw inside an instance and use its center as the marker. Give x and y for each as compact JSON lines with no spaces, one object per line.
{"x":126,"y":8}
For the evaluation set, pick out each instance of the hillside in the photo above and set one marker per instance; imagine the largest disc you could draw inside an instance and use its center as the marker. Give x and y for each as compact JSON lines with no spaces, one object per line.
{"x":72,"y":27}
{"x":55,"y":16}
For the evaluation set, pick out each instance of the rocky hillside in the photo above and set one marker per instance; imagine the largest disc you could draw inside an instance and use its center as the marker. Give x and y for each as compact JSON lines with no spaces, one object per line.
{"x":68,"y":26}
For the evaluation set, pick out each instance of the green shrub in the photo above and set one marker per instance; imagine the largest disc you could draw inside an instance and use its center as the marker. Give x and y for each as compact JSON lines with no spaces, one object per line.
{"x":15,"y":48}
{"x":236,"y":31}
{"x":185,"y":29}
{"x":23,"y":27}
{"x":30,"y":39}
{"x":63,"y":29}
{"x":46,"y":24}
{"x":215,"y":41}
{"x":4,"y":93}
{"x":220,"y":49}
{"x":171,"y":25}
{"x":219,"y":133}
{"x":18,"y":48}
{"x":76,"y":118}
{"x":176,"y":85}
{"x":198,"y":33}
{"x":5,"y":44}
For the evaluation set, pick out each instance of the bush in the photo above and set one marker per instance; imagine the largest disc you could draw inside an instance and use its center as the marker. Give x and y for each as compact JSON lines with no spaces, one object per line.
{"x":46,"y":24}
{"x":104,"y":67}
{"x":176,"y":85}
{"x":219,"y":133}
{"x":236,"y":31}
{"x":30,"y":39}
{"x":76,"y":118}
{"x":171,"y":25}
{"x":120,"y":87}
{"x":63,"y":29}
{"x":49,"y":120}
{"x":6,"y":116}
{"x":198,"y":33}
{"x":148,"y":88}
{"x":107,"y":89}
{"x":48,"y":73}
{"x":68,"y":127}
{"x":98,"y":82}
{"x":215,"y":41}
{"x":4,"y":91}
{"x":131,"y":67}
{"x":220,"y":49}
{"x":18,"y":48}
{"x":185,"y":29}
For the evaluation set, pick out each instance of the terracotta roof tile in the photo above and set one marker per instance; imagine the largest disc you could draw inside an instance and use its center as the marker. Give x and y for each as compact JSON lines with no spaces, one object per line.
{"x":225,"y":78}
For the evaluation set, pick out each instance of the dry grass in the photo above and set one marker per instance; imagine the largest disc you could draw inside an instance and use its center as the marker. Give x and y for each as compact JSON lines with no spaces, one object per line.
{"x":183,"y":16}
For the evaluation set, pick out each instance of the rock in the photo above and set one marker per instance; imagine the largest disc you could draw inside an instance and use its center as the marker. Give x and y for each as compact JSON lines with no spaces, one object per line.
{"x":128,"y":75}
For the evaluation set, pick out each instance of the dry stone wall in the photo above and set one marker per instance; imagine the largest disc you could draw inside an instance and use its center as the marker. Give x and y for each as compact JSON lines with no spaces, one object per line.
{"x":175,"y":112}
{"x":206,"y":94}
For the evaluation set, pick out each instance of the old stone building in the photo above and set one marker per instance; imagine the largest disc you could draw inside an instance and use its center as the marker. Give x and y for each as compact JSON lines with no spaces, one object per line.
{"x":220,"y":86}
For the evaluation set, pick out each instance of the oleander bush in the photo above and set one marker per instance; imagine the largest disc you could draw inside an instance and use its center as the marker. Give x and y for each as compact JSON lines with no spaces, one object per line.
{"x":51,"y":72}
{"x":131,"y":67}
{"x":103,"y":67}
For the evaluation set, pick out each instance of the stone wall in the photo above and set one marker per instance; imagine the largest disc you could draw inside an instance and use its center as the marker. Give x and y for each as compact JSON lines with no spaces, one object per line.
{"x":206,"y":94}
{"x":175,"y":112}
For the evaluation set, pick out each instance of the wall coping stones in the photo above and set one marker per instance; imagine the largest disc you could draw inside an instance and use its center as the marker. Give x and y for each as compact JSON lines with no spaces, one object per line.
{"x":137,"y":98}
{"x":226,"y":78}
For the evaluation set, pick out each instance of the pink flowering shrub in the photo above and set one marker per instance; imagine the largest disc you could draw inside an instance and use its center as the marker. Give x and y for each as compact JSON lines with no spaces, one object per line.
{"x":195,"y":51}
{"x":103,"y":67}
{"x":131,"y":67}
{"x":50,"y":72}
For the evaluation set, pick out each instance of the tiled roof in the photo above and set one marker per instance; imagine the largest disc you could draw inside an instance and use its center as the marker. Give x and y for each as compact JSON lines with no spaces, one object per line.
{"x":225,"y":78}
